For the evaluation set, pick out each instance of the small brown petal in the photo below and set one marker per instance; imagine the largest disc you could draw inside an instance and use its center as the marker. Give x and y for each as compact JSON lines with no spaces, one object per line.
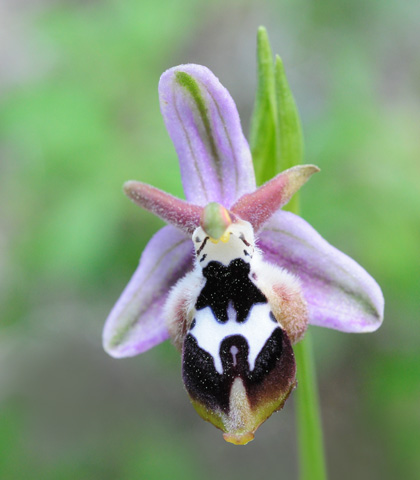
{"x":257,"y":207}
{"x":179,"y":213}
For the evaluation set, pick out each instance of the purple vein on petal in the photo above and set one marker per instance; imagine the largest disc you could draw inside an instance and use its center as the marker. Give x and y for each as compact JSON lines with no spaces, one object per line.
{"x":232,"y":151}
{"x":204,"y":126}
{"x":188,"y":139}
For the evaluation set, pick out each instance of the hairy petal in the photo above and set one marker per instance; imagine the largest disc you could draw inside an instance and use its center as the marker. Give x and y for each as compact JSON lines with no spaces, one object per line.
{"x":257,"y":207}
{"x":179,"y":213}
{"x":204,"y":125}
{"x":339,"y":292}
{"x":136,"y":323}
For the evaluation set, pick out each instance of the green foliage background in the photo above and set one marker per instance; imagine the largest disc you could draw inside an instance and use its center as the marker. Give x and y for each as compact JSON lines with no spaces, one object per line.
{"x":79,"y":115}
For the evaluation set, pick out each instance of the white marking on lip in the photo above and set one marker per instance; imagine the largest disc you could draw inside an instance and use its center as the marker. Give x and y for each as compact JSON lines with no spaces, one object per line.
{"x":256,"y":330}
{"x":234,"y":351}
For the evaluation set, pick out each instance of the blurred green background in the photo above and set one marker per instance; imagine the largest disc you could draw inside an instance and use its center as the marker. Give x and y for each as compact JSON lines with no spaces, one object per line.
{"x":79,"y":115}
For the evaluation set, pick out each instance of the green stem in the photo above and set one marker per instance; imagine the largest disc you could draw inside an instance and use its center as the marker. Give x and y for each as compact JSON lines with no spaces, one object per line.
{"x":310,"y":438}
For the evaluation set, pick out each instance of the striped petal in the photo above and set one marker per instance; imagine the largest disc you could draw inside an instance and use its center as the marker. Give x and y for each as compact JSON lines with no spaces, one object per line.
{"x":339,"y":292}
{"x":136,"y":323}
{"x":204,"y":125}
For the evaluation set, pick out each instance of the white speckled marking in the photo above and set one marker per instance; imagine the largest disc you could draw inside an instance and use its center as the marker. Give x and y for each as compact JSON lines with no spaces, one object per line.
{"x":256,"y":329}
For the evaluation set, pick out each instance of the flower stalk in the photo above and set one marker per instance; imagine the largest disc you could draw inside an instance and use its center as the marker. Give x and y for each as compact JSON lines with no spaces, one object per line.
{"x":308,"y":415}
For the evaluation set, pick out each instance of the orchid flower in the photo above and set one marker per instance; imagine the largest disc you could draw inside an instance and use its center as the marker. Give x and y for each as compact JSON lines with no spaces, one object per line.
{"x":233,"y":280}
